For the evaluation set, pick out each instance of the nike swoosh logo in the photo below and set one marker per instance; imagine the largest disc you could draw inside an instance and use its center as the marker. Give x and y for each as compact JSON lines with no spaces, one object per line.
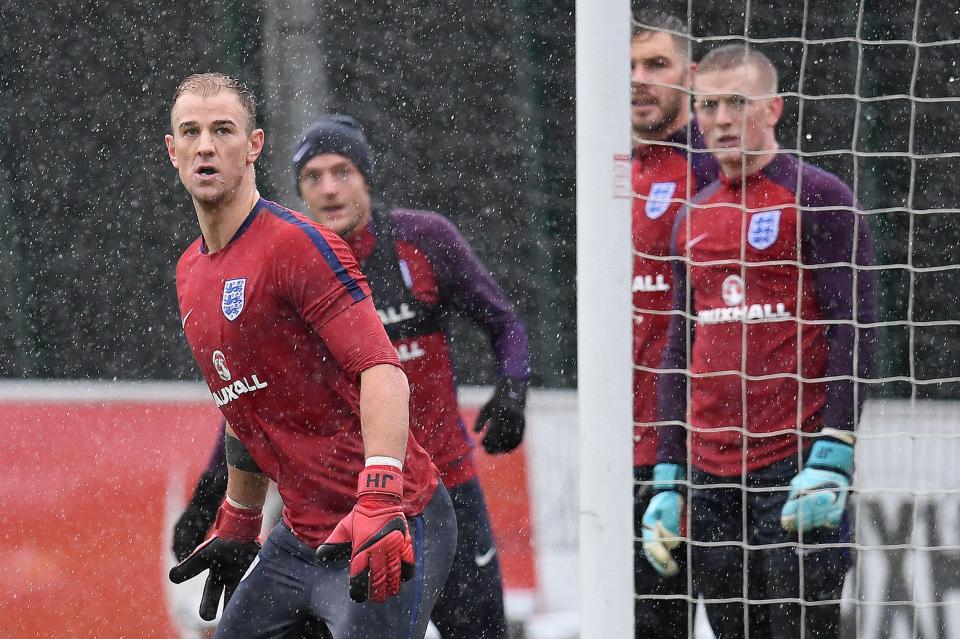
{"x":485,"y":558}
{"x":183,"y":323}
{"x":697,"y":239}
{"x":256,"y":560}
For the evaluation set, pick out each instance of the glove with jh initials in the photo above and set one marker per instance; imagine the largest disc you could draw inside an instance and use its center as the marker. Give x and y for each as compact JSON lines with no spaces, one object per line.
{"x":376,"y":535}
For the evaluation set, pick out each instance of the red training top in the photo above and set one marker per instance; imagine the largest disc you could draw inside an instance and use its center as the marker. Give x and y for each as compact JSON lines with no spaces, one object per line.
{"x":777,"y":305}
{"x":664,"y":176}
{"x":281,"y":324}
{"x":420,"y":268}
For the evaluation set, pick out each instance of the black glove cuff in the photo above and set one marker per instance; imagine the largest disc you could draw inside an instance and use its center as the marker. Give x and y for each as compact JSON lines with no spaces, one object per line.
{"x":513,"y":392}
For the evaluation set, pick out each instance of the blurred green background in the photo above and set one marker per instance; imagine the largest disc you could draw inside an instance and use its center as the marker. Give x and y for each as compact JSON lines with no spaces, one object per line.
{"x":470,"y":110}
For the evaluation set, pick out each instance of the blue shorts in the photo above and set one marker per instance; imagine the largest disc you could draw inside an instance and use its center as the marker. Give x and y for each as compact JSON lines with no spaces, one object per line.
{"x":737,"y":531}
{"x":471,"y":604}
{"x":286,"y":589}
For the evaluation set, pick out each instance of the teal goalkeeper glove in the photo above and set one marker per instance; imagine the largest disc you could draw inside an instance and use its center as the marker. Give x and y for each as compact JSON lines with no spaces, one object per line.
{"x":818,"y":494}
{"x":661,"y":520}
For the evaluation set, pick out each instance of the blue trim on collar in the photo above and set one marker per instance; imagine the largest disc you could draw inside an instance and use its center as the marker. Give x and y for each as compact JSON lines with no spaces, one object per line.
{"x":251,"y":216}
{"x":321,"y":244}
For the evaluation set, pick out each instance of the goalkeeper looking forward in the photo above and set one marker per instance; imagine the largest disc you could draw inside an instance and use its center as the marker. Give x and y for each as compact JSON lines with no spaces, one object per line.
{"x":283,"y":328}
{"x":419,"y":268}
{"x":770,"y":255}
{"x":664,"y":175}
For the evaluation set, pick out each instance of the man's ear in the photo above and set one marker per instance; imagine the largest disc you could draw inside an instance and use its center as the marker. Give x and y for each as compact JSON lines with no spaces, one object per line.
{"x":255,"y":147}
{"x":171,"y":152}
{"x":774,"y":110}
{"x":691,"y":71}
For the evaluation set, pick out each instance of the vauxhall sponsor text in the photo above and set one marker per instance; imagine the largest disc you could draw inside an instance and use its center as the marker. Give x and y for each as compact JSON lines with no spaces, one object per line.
{"x":742,"y":313}
{"x":235,"y":389}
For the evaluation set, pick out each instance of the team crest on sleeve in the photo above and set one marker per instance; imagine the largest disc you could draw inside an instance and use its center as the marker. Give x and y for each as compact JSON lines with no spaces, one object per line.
{"x":659,"y":199}
{"x":233,"y":298}
{"x":764,"y":228}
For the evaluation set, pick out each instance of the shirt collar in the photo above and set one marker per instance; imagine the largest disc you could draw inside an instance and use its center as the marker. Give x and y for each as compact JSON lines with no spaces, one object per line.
{"x":780,"y":165}
{"x":251,"y":216}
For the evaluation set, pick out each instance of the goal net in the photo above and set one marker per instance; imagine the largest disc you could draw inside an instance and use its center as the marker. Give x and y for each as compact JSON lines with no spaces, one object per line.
{"x":871,"y":92}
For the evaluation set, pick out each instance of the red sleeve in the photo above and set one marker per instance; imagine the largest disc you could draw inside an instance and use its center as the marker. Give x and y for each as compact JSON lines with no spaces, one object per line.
{"x":357,"y":340}
{"x":318,"y":275}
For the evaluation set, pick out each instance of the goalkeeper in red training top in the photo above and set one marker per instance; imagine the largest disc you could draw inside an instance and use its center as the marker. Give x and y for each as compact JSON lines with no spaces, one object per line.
{"x":664,"y":175}
{"x":281,"y":323}
{"x":774,"y":327}
{"x":419,"y":267}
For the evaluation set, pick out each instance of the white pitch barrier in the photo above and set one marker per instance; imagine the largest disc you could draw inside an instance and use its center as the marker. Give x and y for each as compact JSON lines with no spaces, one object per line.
{"x":907,"y":502}
{"x":906,"y":582}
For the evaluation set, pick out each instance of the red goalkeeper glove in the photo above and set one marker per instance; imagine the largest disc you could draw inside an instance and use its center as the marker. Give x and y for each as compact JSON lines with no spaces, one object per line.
{"x":376,"y":535}
{"x":227,"y":554}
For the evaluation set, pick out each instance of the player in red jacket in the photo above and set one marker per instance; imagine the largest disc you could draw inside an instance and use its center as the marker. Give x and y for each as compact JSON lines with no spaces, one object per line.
{"x":774,"y":322}
{"x":664,"y":174}
{"x":282,"y":326}
{"x":419,"y":268}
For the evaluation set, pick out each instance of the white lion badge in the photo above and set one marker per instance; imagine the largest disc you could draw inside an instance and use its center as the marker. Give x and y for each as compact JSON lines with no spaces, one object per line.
{"x":764,"y":228}
{"x":233,"y":298}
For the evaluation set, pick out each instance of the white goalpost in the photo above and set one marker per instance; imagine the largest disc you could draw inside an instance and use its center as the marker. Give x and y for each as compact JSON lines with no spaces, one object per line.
{"x":866,"y":101}
{"x":604,"y":318}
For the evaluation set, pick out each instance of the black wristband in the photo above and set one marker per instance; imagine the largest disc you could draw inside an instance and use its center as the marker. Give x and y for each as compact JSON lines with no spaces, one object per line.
{"x":238,"y":456}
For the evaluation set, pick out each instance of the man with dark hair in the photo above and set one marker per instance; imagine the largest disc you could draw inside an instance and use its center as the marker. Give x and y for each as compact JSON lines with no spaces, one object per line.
{"x":281,"y":323}
{"x":420,"y":269}
{"x":665,"y":174}
{"x":771,"y":302}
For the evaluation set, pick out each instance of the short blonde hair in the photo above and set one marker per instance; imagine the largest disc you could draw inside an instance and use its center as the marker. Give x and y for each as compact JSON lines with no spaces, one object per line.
{"x":207,"y":84}
{"x":732,"y":56}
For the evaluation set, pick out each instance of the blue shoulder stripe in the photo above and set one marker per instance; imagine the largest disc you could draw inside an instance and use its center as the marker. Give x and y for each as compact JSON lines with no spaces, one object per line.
{"x":321,"y":244}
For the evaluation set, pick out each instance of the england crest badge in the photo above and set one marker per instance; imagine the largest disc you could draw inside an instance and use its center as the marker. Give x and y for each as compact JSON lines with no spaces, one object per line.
{"x":233,"y":298}
{"x":659,"y":199}
{"x":764,"y":228}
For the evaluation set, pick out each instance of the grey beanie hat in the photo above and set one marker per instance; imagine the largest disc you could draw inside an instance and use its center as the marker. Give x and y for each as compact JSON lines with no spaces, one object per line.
{"x":338,"y":134}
